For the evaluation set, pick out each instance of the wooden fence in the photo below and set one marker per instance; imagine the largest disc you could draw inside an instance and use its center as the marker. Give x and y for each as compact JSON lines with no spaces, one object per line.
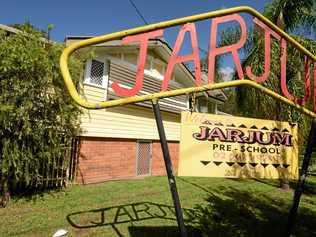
{"x":53,"y":173}
{"x":60,"y":170}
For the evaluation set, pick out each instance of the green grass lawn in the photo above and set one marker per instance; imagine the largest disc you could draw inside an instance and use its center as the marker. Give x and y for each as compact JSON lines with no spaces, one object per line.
{"x":212,"y":207}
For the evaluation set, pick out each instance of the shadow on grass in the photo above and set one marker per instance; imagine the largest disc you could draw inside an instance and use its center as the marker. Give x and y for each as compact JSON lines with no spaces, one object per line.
{"x":132,"y":213}
{"x":310,"y":186}
{"x":33,"y":195}
{"x":231,"y":212}
{"x":161,"y":231}
{"x":228,"y":212}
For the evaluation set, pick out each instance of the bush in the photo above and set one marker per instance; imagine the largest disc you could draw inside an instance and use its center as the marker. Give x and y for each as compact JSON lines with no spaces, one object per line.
{"x":38,"y":119}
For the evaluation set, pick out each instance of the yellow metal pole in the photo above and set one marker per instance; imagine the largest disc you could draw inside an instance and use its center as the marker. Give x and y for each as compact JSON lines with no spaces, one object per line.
{"x":119,"y":35}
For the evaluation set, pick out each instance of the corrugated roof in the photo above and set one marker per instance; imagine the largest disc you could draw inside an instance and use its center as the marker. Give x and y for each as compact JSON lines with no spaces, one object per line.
{"x":9,"y":29}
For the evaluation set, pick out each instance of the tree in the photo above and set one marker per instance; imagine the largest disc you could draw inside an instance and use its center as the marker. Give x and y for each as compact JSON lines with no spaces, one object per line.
{"x":38,"y":119}
{"x":299,"y":19}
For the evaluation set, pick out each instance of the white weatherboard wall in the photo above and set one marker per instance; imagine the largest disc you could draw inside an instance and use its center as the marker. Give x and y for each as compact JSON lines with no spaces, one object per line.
{"x":128,"y":121}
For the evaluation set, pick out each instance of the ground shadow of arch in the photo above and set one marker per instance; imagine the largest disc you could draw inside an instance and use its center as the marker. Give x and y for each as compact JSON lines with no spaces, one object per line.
{"x":132,"y":213}
{"x":310,"y":187}
{"x":157,"y":231}
{"x":235,"y":213}
{"x":226,"y":212}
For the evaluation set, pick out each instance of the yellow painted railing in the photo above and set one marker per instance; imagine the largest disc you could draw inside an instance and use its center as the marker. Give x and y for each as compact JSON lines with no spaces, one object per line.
{"x":133,"y":99}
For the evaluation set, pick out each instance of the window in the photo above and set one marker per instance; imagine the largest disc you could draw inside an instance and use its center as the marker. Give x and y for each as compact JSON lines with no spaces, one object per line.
{"x":96,"y":73}
{"x":202,"y":105}
{"x":143,"y":157}
{"x":205,"y":106}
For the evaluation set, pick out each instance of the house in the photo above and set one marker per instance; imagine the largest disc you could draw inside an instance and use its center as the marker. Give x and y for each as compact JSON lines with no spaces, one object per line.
{"x":123,"y":142}
{"x":9,"y":29}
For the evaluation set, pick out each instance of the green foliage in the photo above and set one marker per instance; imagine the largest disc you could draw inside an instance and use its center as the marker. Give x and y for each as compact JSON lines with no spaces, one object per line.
{"x":38,"y":119}
{"x":292,"y":16}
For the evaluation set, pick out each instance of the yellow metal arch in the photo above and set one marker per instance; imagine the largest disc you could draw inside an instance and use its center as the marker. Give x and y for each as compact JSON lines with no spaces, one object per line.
{"x":119,"y":35}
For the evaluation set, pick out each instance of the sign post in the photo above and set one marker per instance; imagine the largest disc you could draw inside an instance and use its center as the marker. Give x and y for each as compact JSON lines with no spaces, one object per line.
{"x":169,"y":170}
{"x":310,"y":147}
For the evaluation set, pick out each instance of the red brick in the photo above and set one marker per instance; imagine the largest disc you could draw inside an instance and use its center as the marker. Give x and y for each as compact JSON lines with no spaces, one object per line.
{"x":102,"y":159}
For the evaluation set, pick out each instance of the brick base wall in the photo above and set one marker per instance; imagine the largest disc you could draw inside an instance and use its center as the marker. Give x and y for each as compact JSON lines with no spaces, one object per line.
{"x":103,"y":159}
{"x":158,"y":165}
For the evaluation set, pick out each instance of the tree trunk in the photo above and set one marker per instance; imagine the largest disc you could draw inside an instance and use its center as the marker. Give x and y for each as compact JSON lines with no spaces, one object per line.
{"x":4,"y":192}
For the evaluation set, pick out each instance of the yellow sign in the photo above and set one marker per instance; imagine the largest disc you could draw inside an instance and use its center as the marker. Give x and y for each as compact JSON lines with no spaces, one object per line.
{"x":237,"y":147}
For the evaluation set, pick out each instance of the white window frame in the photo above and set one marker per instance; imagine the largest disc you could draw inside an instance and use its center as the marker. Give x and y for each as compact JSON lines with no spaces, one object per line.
{"x":199,"y":105}
{"x":105,"y":77}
